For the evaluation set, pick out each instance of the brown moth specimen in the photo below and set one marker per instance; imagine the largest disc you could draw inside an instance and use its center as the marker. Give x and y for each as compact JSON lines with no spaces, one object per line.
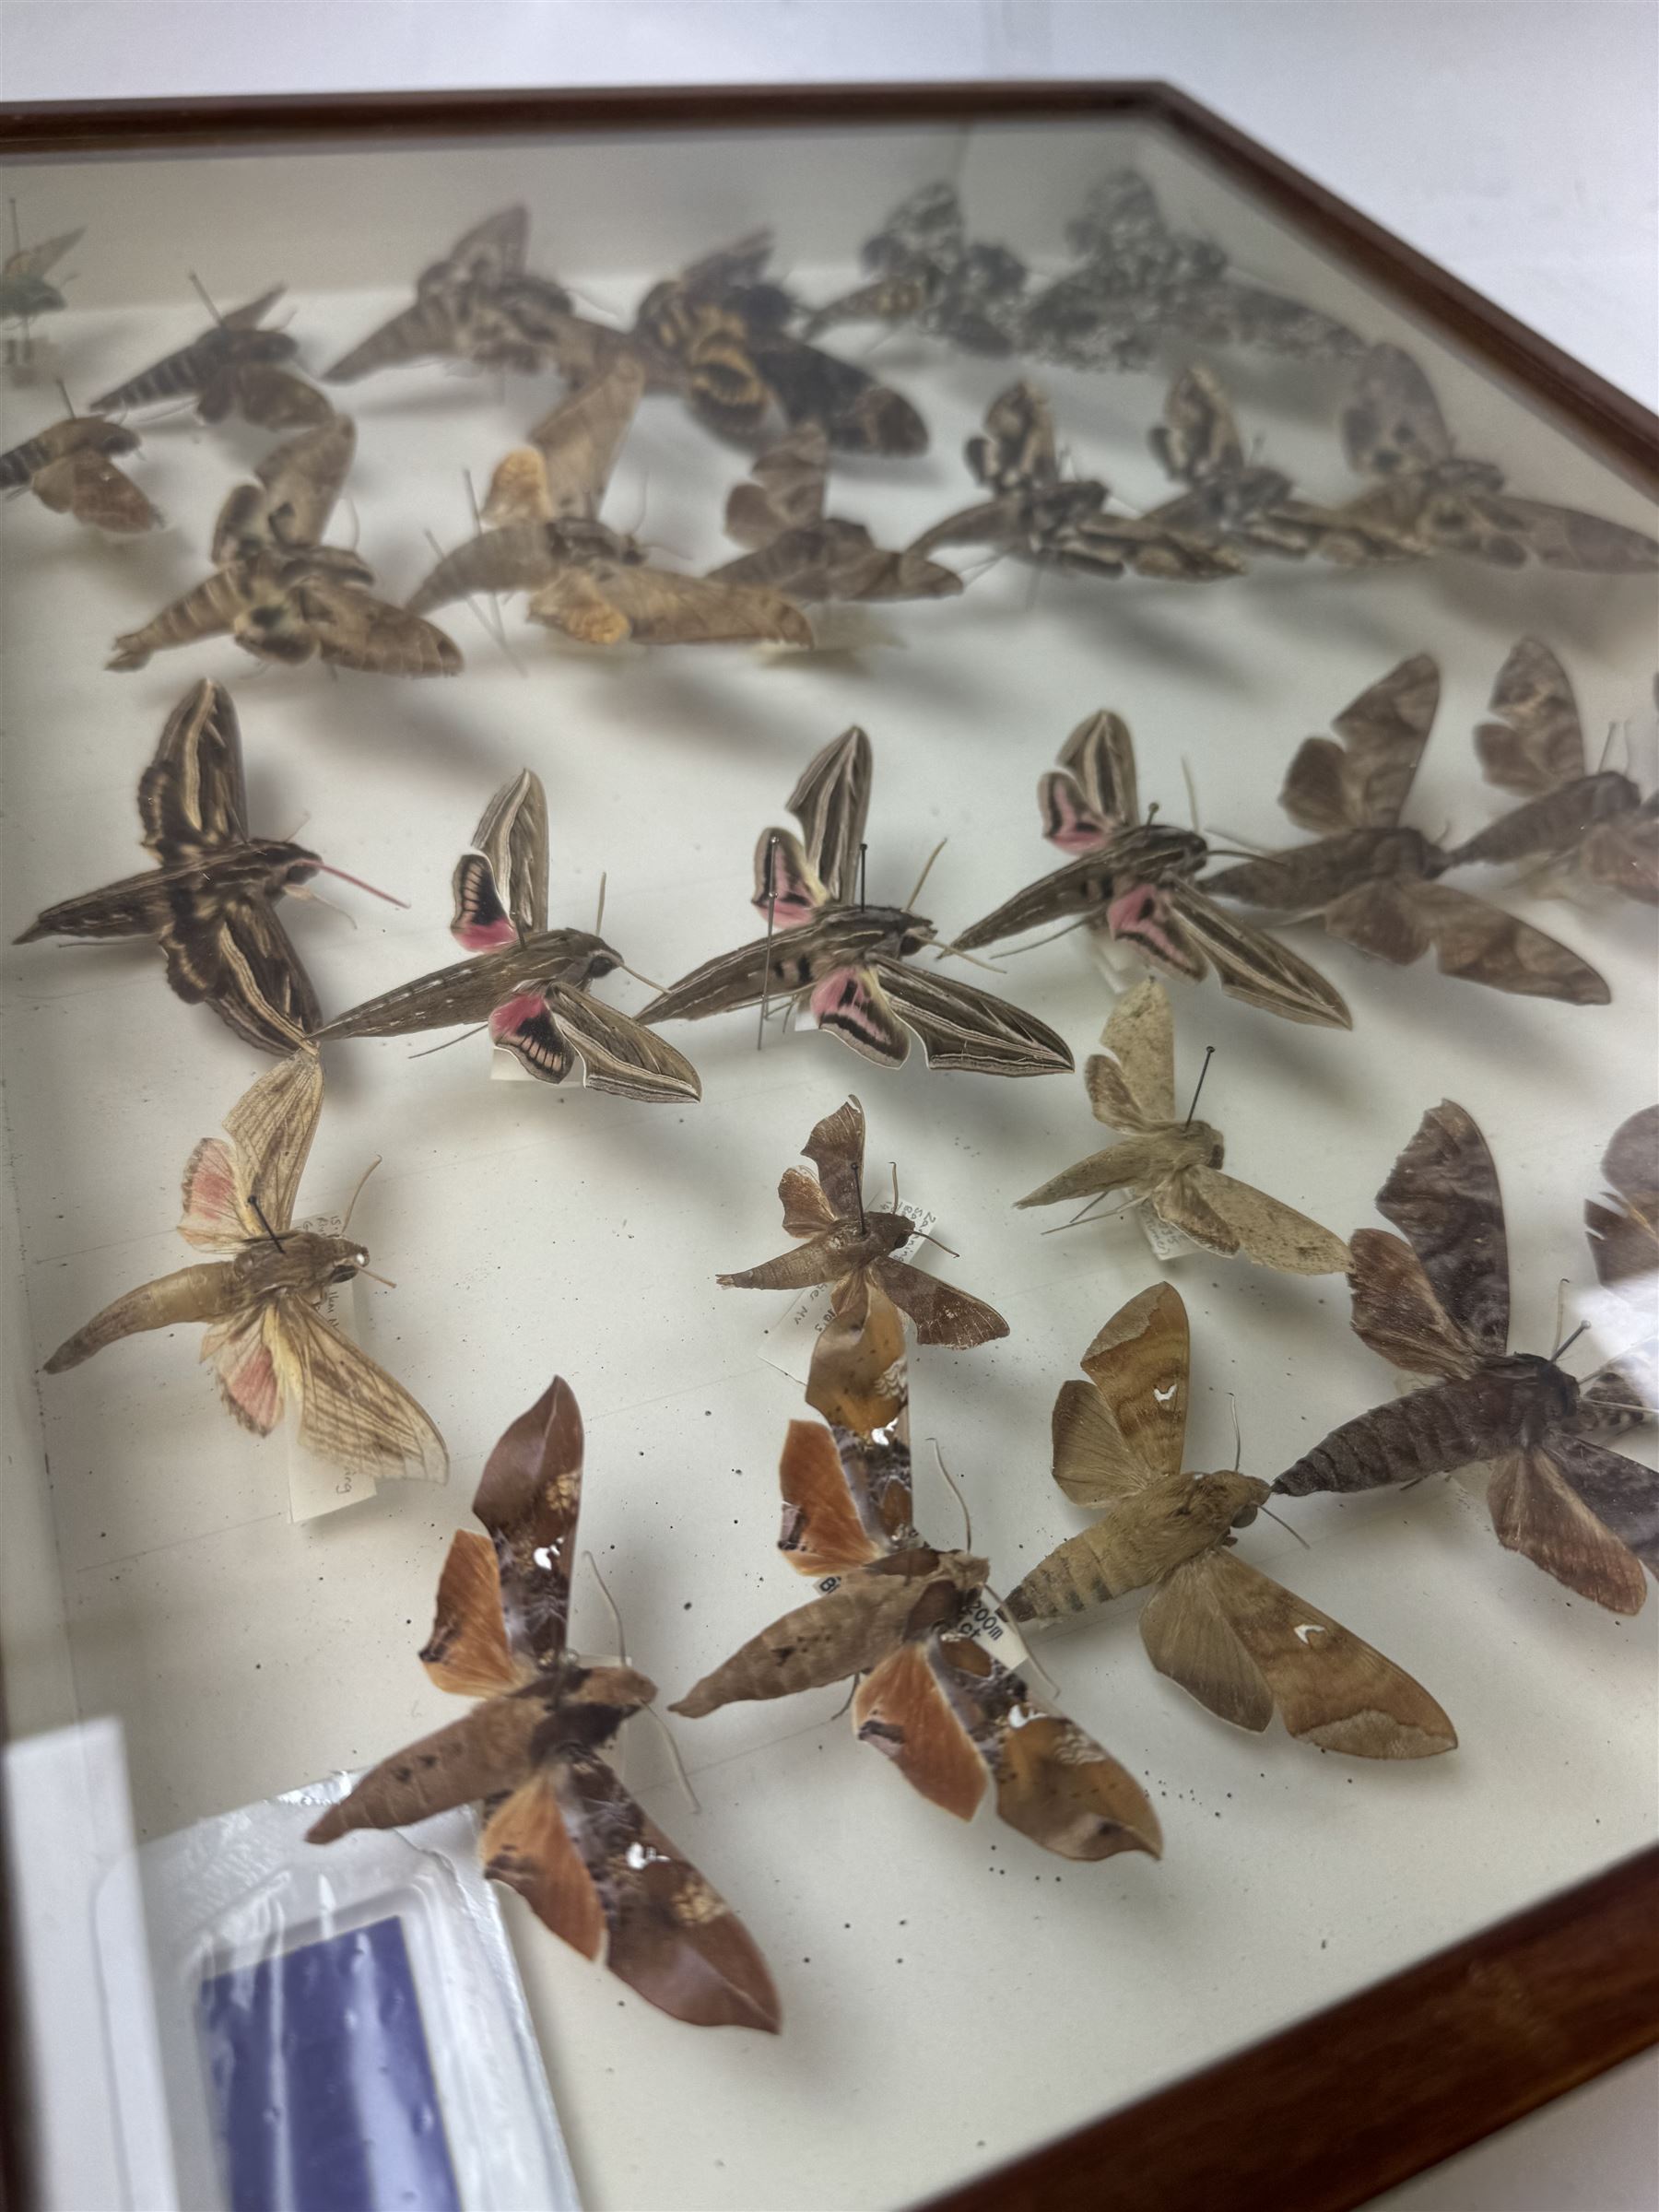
{"x":1034,"y":514}
{"x":854,"y":1247}
{"x":1140,"y":285}
{"x":1173,"y":1168}
{"x":543,"y":536}
{"x":527,"y":983}
{"x":1439,"y":1305}
{"x":558,"y":1825}
{"x":1624,"y":1229}
{"x":68,"y":467}
{"x":927,"y":273}
{"x":266,"y":1339}
{"x":282,"y":596}
{"x":1132,"y":881}
{"x":1393,"y":430}
{"x":234,"y":367}
{"x":850,"y":964}
{"x":1228,"y":1633}
{"x":478,"y":303}
{"x":24,"y":290}
{"x":1574,"y":829}
{"x":1372,"y":882}
{"x":209,"y":902}
{"x":800,"y":549}
{"x":903,"y":1616}
{"x":717,"y":335}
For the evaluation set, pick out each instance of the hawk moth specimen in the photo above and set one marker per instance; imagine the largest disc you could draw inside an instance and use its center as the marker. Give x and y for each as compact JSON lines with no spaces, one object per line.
{"x":234,"y":367}
{"x":24,"y":291}
{"x":855,"y":1248}
{"x":1591,"y":830}
{"x":1436,"y":1302}
{"x":928,"y":273}
{"x":1374,"y":883}
{"x":209,"y":902}
{"x":68,"y":467}
{"x":267,"y":1340}
{"x":478,"y":303}
{"x":527,"y":983}
{"x":900,"y":1616}
{"x":851,"y":964}
{"x":1134,"y":881}
{"x":1171,"y":1167}
{"x":1225,"y":1631}
{"x":1393,"y":430}
{"x":1624,"y":1227}
{"x":543,"y":536}
{"x":558,"y":1825}
{"x":796,"y":548}
{"x":1037,"y":515}
{"x":1139,"y":285}
{"x":282,"y":596}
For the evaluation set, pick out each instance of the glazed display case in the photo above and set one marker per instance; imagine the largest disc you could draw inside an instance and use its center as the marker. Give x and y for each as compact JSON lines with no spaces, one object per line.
{"x":962,"y":2011}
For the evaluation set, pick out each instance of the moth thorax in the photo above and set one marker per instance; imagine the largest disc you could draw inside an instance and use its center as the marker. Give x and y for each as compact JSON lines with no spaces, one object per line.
{"x":1202,"y":1144}
{"x":264,"y":345}
{"x":601,"y":1698}
{"x":1228,"y":1499}
{"x":337,"y":561}
{"x":1404,"y":852}
{"x":911,"y":932}
{"x":597,"y":960}
{"x":1606,"y":795}
{"x":290,"y":866}
{"x":890,"y":1231}
{"x":1548,"y":1393}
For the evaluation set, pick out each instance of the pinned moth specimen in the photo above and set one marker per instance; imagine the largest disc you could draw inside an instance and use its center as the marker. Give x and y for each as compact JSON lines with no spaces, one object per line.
{"x":717,"y":335}
{"x":280,"y":594}
{"x":1624,"y":1227}
{"x":1133,"y":880}
{"x":855,"y":1248}
{"x":927,"y":273}
{"x":1372,"y":882}
{"x":1171,"y":1167}
{"x":266,"y":1339}
{"x":1036,"y":514}
{"x":558,"y":1825}
{"x":850,"y":964}
{"x":529,"y":985}
{"x":797,"y":549}
{"x":69,"y":468}
{"x":1436,"y":1303}
{"x":209,"y":902}
{"x":1393,"y":430}
{"x":1244,"y":501}
{"x":1576,"y":827}
{"x":477,"y":304}
{"x":543,"y":536}
{"x":234,"y":367}
{"x":1226,"y":1633}
{"x":1140,"y":285}
{"x":903,"y":1616}
{"x":24,"y":290}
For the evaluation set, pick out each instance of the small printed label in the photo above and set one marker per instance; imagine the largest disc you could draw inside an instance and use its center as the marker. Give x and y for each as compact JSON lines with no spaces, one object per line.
{"x":1167,"y":1242}
{"x":787,"y":1343}
{"x":316,"y":1486}
{"x":995,"y":1633}
{"x":830,"y":1582}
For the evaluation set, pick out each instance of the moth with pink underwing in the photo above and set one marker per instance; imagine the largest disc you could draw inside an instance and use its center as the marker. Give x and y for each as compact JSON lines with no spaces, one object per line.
{"x":901,"y":1621}
{"x":527,"y":983}
{"x":848,"y":963}
{"x":1435,"y":1302}
{"x":268,"y":1344}
{"x":1574,"y":827}
{"x":557,"y":1825}
{"x":1131,"y":881}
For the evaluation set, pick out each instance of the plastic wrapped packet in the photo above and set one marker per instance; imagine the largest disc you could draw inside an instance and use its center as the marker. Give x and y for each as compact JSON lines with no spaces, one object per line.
{"x":343,"y":2031}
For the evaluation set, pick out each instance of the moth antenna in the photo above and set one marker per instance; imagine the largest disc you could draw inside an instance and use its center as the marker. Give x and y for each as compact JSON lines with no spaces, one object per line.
{"x":1569,"y":1343}
{"x":863,"y":1223}
{"x":955,"y":952}
{"x":910,"y":904}
{"x":1192,"y":790}
{"x":373,"y":890}
{"x":357,"y":522}
{"x":646,"y":980}
{"x":1612,"y":726}
{"x":894,"y":1165}
{"x":1286,"y":1526}
{"x":692,"y":1799}
{"x":1209,"y":1051}
{"x":1082,"y":922}
{"x":769,"y":893}
{"x":384,"y":1281}
{"x":846,"y":1702}
{"x":599,"y":917}
{"x":612,"y":1606}
{"x":955,"y":1493}
{"x":427,"y":1050}
{"x":1235,"y":851}
{"x":63,"y":394}
{"x":200,"y":290}
{"x":864,"y":859}
{"x":940,"y":1243}
{"x":1077,"y":1220}
{"x":357,"y":1192}
{"x":1238,"y":1433}
{"x":310,"y":890}
{"x":496,"y":630}
{"x":259,"y":1217}
{"x":1560,"y":1306}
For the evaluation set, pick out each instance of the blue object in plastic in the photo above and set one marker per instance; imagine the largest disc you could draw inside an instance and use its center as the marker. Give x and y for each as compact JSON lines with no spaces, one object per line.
{"x":322,"y":2083}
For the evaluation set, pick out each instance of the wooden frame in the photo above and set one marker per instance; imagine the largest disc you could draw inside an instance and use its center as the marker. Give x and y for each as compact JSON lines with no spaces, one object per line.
{"x":1354,"y":2100}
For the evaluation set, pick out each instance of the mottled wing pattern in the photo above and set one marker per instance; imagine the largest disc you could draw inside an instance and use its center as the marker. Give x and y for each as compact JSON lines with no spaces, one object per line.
{"x":1138,"y":1363}
{"x":836,"y":1150}
{"x":468,"y":1652}
{"x":1198,"y":439}
{"x":529,"y":1499}
{"x":580,"y":440}
{"x":233,"y":954}
{"x":1554,"y":1505}
{"x":1363,"y":782}
{"x":1442,"y":1195}
{"x":1396,"y":1311}
{"x":1392,"y":425}
{"x":1537,"y":742}
{"x":1140,"y":1036}
{"x":785,"y":490}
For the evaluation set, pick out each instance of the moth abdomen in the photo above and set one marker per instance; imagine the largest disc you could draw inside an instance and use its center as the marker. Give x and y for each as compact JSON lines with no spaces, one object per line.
{"x":1437,"y":1429}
